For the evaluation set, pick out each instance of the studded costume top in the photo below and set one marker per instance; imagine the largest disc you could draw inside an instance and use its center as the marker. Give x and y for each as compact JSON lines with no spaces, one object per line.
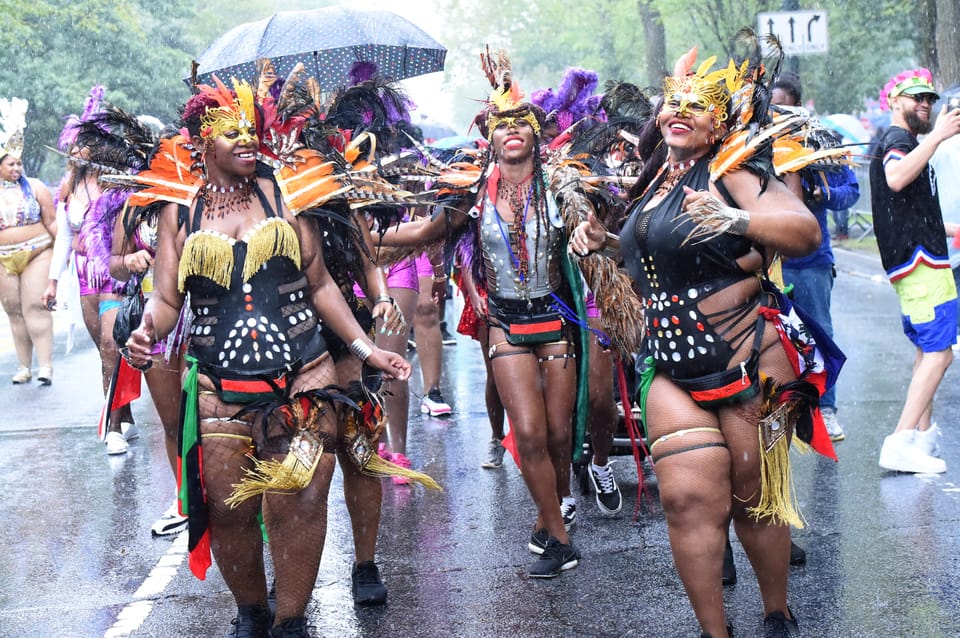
{"x":674,"y":278}
{"x":18,"y":205}
{"x":251,"y":301}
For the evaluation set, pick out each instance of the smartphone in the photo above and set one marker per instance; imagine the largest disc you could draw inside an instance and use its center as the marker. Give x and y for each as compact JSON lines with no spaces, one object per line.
{"x":953,"y":103}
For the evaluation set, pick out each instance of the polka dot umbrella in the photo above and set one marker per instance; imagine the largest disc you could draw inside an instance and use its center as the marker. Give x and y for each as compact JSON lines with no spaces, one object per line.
{"x":328,"y":42}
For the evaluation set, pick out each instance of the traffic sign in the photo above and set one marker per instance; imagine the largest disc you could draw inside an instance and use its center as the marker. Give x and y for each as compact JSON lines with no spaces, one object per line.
{"x":799,"y":32}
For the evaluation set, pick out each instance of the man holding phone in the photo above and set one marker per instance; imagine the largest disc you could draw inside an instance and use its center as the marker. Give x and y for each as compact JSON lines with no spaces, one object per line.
{"x":913,"y":249}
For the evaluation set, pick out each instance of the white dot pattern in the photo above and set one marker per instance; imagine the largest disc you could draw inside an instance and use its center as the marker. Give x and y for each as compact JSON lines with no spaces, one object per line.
{"x":328,"y":42}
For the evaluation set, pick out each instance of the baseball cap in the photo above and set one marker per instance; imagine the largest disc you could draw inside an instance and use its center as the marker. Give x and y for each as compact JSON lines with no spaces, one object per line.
{"x":911,"y":82}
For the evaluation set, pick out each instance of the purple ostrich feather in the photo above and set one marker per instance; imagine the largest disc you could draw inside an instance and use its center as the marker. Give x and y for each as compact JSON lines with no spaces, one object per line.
{"x":90,"y":108}
{"x":96,"y":238}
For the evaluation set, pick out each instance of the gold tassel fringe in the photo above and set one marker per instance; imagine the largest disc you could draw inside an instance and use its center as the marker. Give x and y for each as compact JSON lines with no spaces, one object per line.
{"x":778,"y":501}
{"x":379,"y":467}
{"x":290,"y":475}
{"x":209,"y":255}
{"x":271,"y":237}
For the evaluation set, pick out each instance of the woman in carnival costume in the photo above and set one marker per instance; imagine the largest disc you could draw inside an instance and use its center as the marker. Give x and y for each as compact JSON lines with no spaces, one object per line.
{"x":734,"y":373}
{"x":134,"y":250}
{"x":85,"y":216}
{"x":259,"y":418}
{"x":518,"y":249}
{"x":342,"y":132}
{"x":27,"y":227}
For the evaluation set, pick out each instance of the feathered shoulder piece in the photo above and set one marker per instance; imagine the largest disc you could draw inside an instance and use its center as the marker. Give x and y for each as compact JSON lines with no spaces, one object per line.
{"x":172,"y":175}
{"x":804,"y":143}
{"x":749,"y":141}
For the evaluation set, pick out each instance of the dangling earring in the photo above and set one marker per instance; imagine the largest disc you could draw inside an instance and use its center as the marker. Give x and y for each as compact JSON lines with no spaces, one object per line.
{"x":656,"y":121}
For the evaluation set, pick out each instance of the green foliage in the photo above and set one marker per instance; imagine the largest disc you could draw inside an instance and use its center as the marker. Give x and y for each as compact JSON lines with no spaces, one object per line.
{"x":869,"y":40}
{"x":137,"y":50}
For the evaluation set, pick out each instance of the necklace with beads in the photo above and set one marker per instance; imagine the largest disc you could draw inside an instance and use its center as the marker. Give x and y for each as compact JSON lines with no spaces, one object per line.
{"x":513,"y":192}
{"x":674,"y":173}
{"x":220,"y":200}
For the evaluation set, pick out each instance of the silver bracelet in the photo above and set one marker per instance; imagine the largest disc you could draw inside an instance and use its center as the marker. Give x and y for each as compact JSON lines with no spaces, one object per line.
{"x":359,"y":348}
{"x":740,"y":221}
{"x":383,"y":298}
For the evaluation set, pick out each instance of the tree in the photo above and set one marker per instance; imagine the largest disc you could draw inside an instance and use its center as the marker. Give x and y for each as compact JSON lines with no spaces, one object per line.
{"x":137,"y":50}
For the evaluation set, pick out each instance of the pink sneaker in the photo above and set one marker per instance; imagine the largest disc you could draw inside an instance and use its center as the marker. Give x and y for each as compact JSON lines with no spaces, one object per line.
{"x":401,"y":460}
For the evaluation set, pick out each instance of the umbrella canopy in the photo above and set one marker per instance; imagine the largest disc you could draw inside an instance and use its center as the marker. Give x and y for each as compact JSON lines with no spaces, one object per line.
{"x":328,"y":42}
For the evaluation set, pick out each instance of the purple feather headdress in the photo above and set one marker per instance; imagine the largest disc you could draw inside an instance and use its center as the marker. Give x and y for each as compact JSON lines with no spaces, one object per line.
{"x":90,"y":108}
{"x":573,"y":101}
{"x":362,"y":71}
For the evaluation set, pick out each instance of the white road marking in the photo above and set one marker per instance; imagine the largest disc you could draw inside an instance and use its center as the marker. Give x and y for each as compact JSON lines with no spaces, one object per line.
{"x":132,"y":616}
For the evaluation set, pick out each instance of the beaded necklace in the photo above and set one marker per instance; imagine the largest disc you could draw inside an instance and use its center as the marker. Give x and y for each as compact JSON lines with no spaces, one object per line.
{"x":674,"y":173}
{"x":513,"y":193}
{"x":220,"y":200}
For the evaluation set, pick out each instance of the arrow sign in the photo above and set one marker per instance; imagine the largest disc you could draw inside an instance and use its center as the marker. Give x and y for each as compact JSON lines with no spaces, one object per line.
{"x":799,"y":32}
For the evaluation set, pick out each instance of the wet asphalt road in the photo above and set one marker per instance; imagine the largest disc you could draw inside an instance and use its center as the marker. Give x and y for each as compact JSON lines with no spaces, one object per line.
{"x":883,"y":557}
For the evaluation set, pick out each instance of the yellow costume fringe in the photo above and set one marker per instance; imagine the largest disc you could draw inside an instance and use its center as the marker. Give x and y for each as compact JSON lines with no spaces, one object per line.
{"x":288,"y":476}
{"x":778,"y":500}
{"x":271,"y":237}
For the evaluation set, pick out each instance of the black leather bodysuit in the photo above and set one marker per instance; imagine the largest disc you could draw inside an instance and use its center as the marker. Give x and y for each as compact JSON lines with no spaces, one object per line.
{"x":674,"y":278}
{"x":254,"y":314}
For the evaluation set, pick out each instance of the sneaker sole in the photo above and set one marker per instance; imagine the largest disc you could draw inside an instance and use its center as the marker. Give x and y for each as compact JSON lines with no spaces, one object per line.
{"x":491,"y":466}
{"x":838,"y":437}
{"x":425,"y":410}
{"x":906,"y":468}
{"x":535,"y":549}
{"x":169,"y":531}
{"x":563,"y":568}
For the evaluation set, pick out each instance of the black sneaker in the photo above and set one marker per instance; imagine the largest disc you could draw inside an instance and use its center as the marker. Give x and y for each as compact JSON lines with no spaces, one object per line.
{"x":704,"y":634}
{"x":291,"y":628}
{"x":609,"y":499}
{"x":777,"y":625}
{"x":569,"y":511}
{"x":538,"y":541}
{"x":446,"y":338}
{"x":798,"y":556}
{"x":729,"y":568}
{"x":368,"y":588}
{"x":251,"y":622}
{"x":556,"y":558}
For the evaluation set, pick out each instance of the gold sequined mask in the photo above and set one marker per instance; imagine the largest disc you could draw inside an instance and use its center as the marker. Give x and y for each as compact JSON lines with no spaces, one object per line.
{"x":495,"y":121}
{"x":237,"y":118}
{"x":696,"y":95}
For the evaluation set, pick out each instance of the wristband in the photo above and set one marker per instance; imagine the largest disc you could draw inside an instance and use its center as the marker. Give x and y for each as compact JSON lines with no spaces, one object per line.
{"x":359,"y":348}
{"x":383,"y":299}
{"x":741,"y":219}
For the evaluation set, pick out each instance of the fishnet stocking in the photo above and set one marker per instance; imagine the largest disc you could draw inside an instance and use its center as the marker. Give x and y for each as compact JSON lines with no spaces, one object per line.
{"x":701,"y":488}
{"x":295,"y":523}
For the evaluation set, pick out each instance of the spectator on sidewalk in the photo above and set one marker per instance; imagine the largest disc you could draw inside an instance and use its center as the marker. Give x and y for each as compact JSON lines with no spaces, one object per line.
{"x":913,"y":249}
{"x":812,"y":276}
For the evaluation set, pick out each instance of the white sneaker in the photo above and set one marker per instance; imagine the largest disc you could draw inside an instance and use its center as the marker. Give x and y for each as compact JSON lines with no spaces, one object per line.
{"x":568,"y":509}
{"x":929,"y":440}
{"x":901,"y":453}
{"x":115,"y":443}
{"x":130,"y":431}
{"x":170,"y":523}
{"x":833,"y":425}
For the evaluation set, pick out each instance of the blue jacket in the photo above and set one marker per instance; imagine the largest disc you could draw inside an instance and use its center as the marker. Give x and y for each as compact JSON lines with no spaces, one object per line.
{"x":840,"y":192}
